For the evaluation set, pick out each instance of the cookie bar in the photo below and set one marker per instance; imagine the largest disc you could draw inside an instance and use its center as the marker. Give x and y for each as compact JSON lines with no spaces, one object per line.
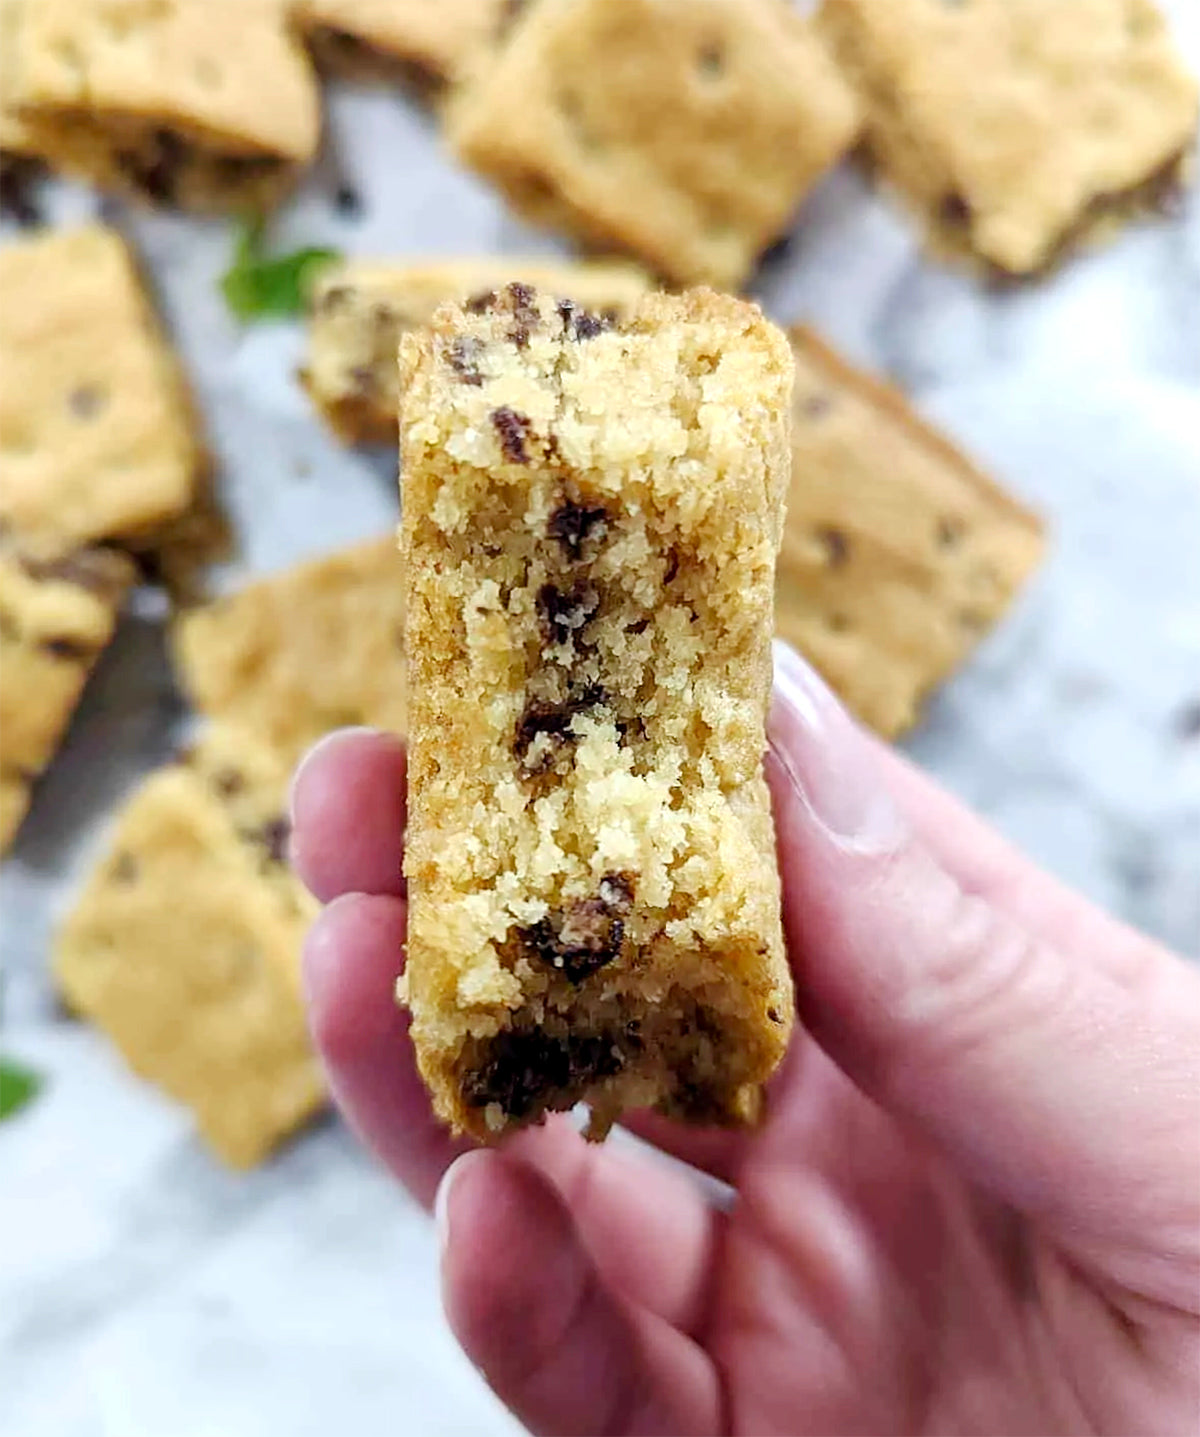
{"x":207,"y":104}
{"x":685,"y":132}
{"x":56,"y":616}
{"x":591,"y":518}
{"x":361,"y":308}
{"x":432,"y":37}
{"x":294,"y":655}
{"x":96,"y":430}
{"x":185,"y":948}
{"x":898,"y":553}
{"x":1012,"y":125}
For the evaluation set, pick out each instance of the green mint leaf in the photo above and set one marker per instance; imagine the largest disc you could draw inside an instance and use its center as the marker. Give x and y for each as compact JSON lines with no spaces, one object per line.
{"x":18,"y":1085}
{"x":261,"y":286}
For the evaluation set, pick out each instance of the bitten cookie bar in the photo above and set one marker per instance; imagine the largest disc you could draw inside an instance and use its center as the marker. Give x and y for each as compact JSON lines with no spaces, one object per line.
{"x":56,"y":616}
{"x":96,"y":429}
{"x":1012,"y":125}
{"x":208,"y":104}
{"x":591,"y":518}
{"x":434,"y":37}
{"x":185,"y":948}
{"x":361,"y":308}
{"x":310,"y":649}
{"x":682,"y":131}
{"x":898,"y":553}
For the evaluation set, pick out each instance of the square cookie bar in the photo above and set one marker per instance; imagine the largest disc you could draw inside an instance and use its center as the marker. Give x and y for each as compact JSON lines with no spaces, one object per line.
{"x":898,"y":553}
{"x":433,"y":37}
{"x":301,"y":652}
{"x":362,"y":307}
{"x":1011,"y":125}
{"x":685,"y":132}
{"x":185,"y":948}
{"x":56,"y":616}
{"x":591,"y":518}
{"x":208,"y":104}
{"x":96,"y":430}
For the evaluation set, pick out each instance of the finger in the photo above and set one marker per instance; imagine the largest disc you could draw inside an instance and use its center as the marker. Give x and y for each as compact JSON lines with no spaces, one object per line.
{"x":532,"y":1311}
{"x":714,"y":1151}
{"x":1063,"y":1091}
{"x":649,"y":1228}
{"x":986,"y":864}
{"x":352,"y":958}
{"x":348,"y":815}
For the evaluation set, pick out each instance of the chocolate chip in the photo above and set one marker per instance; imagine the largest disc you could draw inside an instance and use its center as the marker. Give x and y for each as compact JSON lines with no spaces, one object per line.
{"x":228,"y":782}
{"x":836,"y":546}
{"x":513,"y":429}
{"x":337,"y":297}
{"x":581,"y":324}
{"x":552,"y":722}
{"x":347,"y":201}
{"x":524,"y":1068}
{"x":155,"y":171}
{"x":463,"y":357}
{"x":954,"y":210}
{"x":482,"y":302}
{"x":589,"y":935}
{"x":273,"y":836}
{"x":616,"y":890}
{"x":564,"y":613}
{"x":510,"y":12}
{"x":124,"y":869}
{"x":86,"y":401}
{"x":66,"y":649}
{"x":525,"y":313}
{"x":949,"y":532}
{"x":364,"y":379}
{"x":710,"y":61}
{"x":574,"y":524}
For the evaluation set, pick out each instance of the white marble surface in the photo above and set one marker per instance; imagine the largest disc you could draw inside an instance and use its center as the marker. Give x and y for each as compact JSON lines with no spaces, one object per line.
{"x":146,"y":1293}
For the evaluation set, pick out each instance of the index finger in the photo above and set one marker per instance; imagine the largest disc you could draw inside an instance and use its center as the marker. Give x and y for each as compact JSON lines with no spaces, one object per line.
{"x":349,"y":804}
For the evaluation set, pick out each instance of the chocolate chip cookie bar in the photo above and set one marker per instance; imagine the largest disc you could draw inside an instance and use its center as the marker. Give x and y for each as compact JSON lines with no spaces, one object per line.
{"x":361,"y":308}
{"x":185,"y":947}
{"x":56,"y":617}
{"x":685,"y":132}
{"x":591,"y":518}
{"x":432,"y":37}
{"x":206,"y":104}
{"x":97,"y":435}
{"x":899,"y":554}
{"x":1013,"y":125}
{"x":301,"y":652}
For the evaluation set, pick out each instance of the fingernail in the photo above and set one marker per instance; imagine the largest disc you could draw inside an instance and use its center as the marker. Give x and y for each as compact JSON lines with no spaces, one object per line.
{"x":830,"y":761}
{"x":441,"y":1201}
{"x":331,"y":740}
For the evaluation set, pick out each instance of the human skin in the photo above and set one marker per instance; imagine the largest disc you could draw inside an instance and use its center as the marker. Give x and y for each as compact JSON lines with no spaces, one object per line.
{"x":974,"y":1206}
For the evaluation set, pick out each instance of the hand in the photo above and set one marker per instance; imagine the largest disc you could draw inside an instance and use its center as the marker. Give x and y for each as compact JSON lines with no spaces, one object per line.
{"x":974,"y":1207}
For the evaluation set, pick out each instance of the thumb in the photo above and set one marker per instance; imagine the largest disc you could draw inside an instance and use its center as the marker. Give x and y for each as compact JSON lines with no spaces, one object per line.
{"x":1069,"y":1094}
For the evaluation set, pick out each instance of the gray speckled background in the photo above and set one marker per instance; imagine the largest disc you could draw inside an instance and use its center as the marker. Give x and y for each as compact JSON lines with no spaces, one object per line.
{"x":142,"y":1290}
